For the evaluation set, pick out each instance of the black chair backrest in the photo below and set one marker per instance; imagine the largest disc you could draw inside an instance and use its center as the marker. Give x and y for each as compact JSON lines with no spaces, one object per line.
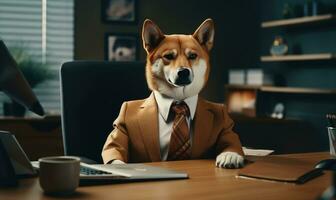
{"x":92,"y":93}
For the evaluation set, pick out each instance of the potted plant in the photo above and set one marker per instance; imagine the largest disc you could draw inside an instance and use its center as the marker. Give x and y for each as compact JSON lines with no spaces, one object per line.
{"x":33,"y":70}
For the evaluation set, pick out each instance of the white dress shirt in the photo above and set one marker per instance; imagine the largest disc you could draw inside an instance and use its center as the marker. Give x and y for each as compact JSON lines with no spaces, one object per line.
{"x":166,"y":125}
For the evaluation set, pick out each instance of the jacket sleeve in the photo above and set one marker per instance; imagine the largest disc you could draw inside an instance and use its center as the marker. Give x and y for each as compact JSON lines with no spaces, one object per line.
{"x":116,"y":145}
{"x":228,"y":140}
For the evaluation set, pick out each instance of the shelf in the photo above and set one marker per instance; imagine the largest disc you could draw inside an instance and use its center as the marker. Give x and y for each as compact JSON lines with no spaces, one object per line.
{"x":243,"y":118}
{"x":298,"y":21}
{"x":297,"y":90}
{"x":303,"y":57}
{"x":242,"y":87}
{"x":288,"y":90}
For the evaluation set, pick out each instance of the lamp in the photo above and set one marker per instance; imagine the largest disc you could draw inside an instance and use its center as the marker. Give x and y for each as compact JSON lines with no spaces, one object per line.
{"x":13,"y":83}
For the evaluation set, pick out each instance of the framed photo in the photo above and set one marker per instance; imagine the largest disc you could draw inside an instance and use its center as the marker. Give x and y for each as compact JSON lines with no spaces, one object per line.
{"x":119,"y":11}
{"x":121,"y":47}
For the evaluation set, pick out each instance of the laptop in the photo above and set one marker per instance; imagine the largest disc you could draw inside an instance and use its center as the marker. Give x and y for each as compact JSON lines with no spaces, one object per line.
{"x":112,"y":172}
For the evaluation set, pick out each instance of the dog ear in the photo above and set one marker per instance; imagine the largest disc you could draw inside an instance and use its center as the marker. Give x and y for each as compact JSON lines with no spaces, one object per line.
{"x":151,"y":35}
{"x":205,"y":34}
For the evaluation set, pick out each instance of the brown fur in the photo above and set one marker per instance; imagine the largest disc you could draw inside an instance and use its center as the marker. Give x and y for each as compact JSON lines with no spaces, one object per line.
{"x":180,"y":43}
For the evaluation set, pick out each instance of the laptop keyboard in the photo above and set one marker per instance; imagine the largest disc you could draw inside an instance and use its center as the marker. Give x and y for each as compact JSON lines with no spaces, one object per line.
{"x":89,"y":171}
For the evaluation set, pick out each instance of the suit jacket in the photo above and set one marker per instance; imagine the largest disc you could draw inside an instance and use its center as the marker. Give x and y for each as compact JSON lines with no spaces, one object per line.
{"x":135,"y":137}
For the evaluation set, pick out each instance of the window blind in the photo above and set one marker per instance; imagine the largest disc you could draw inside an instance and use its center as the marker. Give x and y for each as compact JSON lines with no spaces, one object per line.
{"x":46,"y":30}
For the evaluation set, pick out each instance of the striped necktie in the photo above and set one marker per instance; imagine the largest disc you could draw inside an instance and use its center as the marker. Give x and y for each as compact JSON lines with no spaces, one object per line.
{"x":180,"y":144}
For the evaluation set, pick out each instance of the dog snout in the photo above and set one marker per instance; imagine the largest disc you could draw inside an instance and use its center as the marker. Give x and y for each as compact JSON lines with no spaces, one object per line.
{"x":183,"y":73}
{"x":183,"y":76}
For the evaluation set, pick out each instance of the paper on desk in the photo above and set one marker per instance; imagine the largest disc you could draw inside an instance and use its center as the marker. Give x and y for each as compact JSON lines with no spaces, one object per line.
{"x":257,"y":152}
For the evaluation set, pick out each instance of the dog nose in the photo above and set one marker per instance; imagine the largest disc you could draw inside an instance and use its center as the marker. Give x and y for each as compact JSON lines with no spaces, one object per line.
{"x":183,"y":73}
{"x":183,"y":77}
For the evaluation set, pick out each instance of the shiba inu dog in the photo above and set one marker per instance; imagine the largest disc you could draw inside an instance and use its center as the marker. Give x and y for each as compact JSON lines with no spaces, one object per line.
{"x":179,"y":66}
{"x":177,"y":69}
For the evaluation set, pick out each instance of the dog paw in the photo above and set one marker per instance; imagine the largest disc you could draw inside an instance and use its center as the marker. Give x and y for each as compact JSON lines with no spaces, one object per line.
{"x":118,"y":162}
{"x":229,"y":160}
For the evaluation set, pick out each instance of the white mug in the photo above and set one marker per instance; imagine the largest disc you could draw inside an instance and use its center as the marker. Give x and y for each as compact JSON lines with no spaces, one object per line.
{"x":59,"y":175}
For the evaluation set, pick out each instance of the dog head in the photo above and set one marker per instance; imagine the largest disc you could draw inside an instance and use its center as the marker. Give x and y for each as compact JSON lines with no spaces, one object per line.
{"x":177,"y":65}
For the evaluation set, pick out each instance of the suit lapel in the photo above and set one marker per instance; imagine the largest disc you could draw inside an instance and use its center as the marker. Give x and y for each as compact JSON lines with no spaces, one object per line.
{"x":148,"y":123}
{"x":202,"y":128}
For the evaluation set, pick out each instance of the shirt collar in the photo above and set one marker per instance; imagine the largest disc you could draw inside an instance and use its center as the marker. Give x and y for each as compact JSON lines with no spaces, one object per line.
{"x":165,"y":102}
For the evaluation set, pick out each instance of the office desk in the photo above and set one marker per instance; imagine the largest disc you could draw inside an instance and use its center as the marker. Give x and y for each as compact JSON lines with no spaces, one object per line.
{"x":206,"y":182}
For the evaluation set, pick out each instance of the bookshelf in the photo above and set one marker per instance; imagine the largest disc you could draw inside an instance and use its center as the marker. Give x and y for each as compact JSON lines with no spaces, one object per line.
{"x":263,"y":95}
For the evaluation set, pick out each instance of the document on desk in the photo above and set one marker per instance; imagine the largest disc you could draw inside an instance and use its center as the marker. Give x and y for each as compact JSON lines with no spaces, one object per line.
{"x":257,"y":152}
{"x":278,"y":168}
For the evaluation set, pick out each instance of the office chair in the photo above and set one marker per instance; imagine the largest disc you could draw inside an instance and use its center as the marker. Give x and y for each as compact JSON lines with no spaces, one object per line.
{"x":92,"y":93}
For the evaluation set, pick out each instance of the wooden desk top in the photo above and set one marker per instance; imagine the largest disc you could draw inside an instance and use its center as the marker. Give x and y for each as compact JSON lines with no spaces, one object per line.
{"x":206,"y":182}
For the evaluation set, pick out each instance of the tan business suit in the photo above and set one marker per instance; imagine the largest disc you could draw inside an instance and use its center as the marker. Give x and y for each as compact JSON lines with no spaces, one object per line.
{"x":135,"y":137}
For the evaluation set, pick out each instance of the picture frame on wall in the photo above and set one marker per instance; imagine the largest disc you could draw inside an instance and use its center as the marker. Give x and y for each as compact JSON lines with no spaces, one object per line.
{"x":121,"y":47}
{"x":119,"y":11}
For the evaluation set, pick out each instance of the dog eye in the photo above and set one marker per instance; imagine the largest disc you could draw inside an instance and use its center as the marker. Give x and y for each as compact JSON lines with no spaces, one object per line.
{"x":192,"y":56}
{"x":169,"y":56}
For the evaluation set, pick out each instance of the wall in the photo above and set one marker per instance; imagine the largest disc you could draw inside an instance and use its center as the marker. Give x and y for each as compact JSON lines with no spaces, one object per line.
{"x":235,"y":39}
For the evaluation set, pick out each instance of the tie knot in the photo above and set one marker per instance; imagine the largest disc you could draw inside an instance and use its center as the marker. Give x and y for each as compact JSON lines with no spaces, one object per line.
{"x":181,"y":108}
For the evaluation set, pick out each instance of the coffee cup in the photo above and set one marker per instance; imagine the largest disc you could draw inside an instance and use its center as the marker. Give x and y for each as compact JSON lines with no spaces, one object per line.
{"x":59,"y":175}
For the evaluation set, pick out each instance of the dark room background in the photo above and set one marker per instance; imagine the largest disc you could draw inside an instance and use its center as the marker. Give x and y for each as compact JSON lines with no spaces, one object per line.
{"x":236,"y":27}
{"x":239,"y":43}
